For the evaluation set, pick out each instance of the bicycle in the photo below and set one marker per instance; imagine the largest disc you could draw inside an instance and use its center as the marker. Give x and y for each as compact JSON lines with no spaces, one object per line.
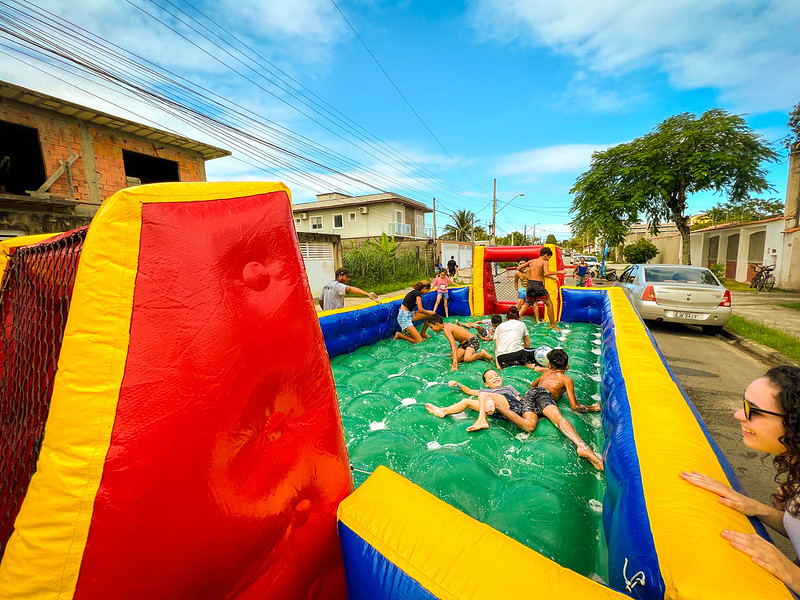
{"x":763,"y":280}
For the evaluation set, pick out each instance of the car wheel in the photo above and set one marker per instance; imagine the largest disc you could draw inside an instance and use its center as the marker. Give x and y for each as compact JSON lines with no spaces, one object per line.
{"x":611,"y":276}
{"x":712,"y":329}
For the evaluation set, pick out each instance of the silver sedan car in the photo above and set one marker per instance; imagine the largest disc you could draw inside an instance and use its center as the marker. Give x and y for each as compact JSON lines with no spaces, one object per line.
{"x":677,"y":294}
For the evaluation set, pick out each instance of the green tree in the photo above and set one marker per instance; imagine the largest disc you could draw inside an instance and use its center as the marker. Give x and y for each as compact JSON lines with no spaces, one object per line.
{"x":481,"y":232}
{"x":655,"y":174}
{"x":640,"y":251}
{"x":461,"y":228}
{"x":515,"y":238}
{"x":746,"y":211}
{"x":551,"y":239}
{"x":794,"y":125}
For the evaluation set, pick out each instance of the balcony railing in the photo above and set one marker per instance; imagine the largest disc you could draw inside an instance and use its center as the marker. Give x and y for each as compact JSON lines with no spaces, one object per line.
{"x":404,"y":229}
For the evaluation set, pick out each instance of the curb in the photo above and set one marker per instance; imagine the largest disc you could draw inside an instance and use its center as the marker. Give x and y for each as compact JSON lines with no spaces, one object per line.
{"x":759,"y":351}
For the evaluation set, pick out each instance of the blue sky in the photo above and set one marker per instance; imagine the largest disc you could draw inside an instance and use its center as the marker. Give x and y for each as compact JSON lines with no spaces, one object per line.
{"x":521,"y":91}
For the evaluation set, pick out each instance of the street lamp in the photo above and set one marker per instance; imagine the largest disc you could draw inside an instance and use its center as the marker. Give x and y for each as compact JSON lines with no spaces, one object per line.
{"x":494,"y":215}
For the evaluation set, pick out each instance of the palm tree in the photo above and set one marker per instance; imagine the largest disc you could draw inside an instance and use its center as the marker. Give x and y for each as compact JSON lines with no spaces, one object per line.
{"x":461,"y":230}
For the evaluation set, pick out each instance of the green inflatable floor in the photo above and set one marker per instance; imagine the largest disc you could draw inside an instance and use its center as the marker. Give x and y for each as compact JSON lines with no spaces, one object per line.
{"x":532,"y":487}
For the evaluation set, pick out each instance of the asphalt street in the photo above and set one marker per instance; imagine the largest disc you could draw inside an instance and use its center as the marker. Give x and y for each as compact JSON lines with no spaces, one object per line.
{"x":714,"y":373}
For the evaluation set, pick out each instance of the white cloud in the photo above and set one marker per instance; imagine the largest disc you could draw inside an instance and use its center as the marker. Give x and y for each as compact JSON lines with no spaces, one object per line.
{"x":749,"y":51}
{"x":531,"y":164}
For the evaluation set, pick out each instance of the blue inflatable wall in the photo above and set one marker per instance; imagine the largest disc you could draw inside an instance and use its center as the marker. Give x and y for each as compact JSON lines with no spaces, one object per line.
{"x":348,"y":329}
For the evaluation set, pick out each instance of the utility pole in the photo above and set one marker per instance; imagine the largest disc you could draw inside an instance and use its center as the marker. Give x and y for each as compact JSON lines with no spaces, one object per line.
{"x":434,"y":220}
{"x":494,"y":211}
{"x":524,"y":235}
{"x":473,"y":229}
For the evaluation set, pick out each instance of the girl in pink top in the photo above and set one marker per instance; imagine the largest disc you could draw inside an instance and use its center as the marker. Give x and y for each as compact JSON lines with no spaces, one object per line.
{"x":440,"y":285}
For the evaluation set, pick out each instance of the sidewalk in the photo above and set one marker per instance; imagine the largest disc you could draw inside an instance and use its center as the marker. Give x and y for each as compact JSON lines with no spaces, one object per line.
{"x":765,"y":308}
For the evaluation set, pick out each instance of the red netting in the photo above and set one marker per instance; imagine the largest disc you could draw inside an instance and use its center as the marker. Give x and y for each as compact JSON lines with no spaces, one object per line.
{"x":34,"y":301}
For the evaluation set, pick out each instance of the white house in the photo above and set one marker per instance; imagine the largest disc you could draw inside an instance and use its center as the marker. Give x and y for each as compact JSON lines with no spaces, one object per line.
{"x":363,"y":216}
{"x":739,"y":246}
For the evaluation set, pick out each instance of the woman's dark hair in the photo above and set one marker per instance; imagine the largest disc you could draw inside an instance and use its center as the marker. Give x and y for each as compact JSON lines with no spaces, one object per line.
{"x":785,"y":381}
{"x":513,"y":313}
{"x":434,"y":320}
{"x":420,"y":285}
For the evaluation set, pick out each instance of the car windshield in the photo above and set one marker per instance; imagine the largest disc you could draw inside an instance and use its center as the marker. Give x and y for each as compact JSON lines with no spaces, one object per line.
{"x":682,"y":275}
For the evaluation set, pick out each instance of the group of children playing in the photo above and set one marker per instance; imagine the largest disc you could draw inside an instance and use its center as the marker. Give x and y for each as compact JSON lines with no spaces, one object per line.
{"x":497,"y":400}
{"x":505,"y":402}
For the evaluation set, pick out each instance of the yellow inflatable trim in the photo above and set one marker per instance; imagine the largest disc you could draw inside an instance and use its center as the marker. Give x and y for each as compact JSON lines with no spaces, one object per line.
{"x":43,"y":557}
{"x":693,"y":557}
{"x":451,"y":555}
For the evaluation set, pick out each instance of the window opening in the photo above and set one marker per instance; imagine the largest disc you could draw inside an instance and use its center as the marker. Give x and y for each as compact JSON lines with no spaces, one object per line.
{"x":149,"y":169}
{"x":21,"y":162}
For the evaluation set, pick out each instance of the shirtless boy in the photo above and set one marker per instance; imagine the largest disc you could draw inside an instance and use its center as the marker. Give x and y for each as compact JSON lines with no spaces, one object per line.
{"x":539,"y":269}
{"x":468,"y":348}
{"x":521,"y":278}
{"x":484,"y":328}
{"x":504,"y":402}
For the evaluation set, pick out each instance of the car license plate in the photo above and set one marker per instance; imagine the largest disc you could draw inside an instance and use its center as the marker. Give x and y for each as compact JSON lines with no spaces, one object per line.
{"x":685,"y":315}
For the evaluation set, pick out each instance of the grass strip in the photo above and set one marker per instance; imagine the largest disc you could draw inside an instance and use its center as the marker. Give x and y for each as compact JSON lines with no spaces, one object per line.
{"x":792,"y":305}
{"x":737,"y":286}
{"x":785,"y":344}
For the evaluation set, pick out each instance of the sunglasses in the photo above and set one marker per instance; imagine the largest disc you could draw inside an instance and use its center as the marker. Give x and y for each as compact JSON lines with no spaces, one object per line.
{"x":750,"y":410}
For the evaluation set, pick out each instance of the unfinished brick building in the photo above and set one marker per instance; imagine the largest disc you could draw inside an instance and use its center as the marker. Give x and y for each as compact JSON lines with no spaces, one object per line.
{"x":59,"y":160}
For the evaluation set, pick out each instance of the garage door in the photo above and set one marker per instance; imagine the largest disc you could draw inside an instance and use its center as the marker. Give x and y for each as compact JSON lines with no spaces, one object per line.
{"x":318,"y":258}
{"x":462,"y":254}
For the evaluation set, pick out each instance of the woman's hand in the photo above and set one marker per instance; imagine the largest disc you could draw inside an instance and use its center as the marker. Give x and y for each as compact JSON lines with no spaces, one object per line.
{"x":765,"y":555}
{"x":453,"y":383}
{"x":727,"y":496}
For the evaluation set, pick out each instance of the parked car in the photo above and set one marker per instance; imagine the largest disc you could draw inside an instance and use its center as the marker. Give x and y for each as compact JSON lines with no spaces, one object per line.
{"x":575,"y":258}
{"x":677,"y":294}
{"x":591,"y":260}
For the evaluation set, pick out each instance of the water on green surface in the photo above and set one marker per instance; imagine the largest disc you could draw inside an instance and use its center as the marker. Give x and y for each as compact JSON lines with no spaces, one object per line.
{"x":532,"y":487}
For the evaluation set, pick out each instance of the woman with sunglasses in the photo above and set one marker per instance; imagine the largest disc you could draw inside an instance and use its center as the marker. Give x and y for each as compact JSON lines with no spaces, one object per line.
{"x":770,"y":420}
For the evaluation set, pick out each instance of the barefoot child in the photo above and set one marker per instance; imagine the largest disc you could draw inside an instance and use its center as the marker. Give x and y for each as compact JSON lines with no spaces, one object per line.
{"x":411,"y":310}
{"x":484,"y":328}
{"x":539,"y":269}
{"x":504,"y":402}
{"x":467,"y":350}
{"x":521,"y":285}
{"x":440,"y":285}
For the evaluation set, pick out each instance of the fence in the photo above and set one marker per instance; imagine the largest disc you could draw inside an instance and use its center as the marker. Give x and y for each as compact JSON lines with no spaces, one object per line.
{"x":371,"y":266}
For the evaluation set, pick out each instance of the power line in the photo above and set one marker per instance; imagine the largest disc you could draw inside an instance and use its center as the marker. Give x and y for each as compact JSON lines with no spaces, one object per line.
{"x":394,"y":85}
{"x":99,"y":67}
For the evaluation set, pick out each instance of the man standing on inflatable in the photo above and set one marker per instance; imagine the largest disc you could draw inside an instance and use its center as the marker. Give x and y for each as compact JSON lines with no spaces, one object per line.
{"x":539,"y":269}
